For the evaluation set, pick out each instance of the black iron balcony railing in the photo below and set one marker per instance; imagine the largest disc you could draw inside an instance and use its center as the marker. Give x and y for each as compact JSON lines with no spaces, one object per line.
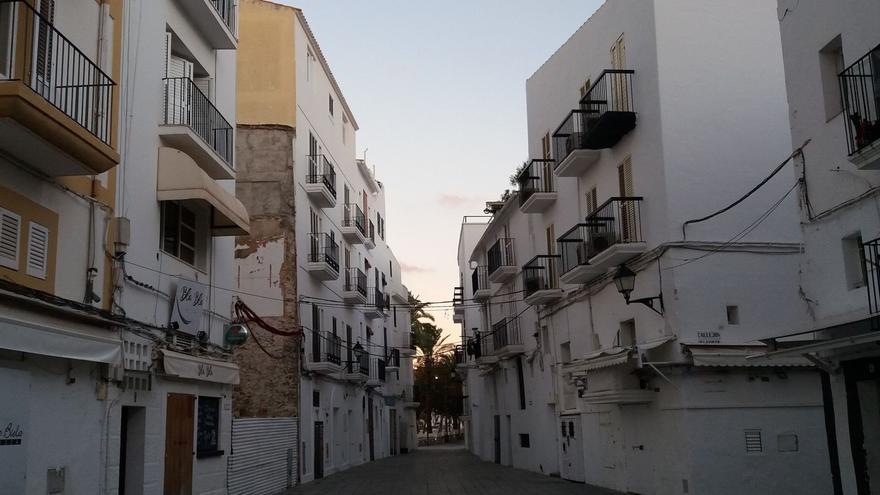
{"x":355,"y":280}
{"x":537,"y":177}
{"x":860,"y":90}
{"x":394,"y":358}
{"x":324,"y":249}
{"x":34,"y":52}
{"x":479,"y":279}
{"x":574,"y":248}
{"x":616,"y":221}
{"x":363,"y":365}
{"x":571,"y":135}
{"x":321,"y":171}
{"x":326,"y":347}
{"x":353,"y":216}
{"x":501,"y":254}
{"x":376,"y":298}
{"x":185,"y":104}
{"x":226,"y":10}
{"x":539,"y":274}
{"x":379,"y":372}
{"x":609,"y":109}
{"x":871,"y":251}
{"x":506,"y":332}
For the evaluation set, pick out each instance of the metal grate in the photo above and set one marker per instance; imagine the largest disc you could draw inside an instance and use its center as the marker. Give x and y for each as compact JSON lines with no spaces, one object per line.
{"x":754,"y":442}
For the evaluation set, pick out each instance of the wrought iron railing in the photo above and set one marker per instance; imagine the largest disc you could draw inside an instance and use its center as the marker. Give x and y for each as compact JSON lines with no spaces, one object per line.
{"x":570,"y":135}
{"x":616,"y":221}
{"x":185,"y":104}
{"x":506,"y":332}
{"x":479,"y":279}
{"x":353,"y":216}
{"x":537,"y":177}
{"x":376,"y":298}
{"x":612,"y":92}
{"x":574,"y":248}
{"x":326,"y":347}
{"x":324,"y":249}
{"x":377,"y":369}
{"x":363,"y":365}
{"x":501,"y":254}
{"x":394,"y":358}
{"x":459,"y":355}
{"x":355,"y":280}
{"x":226,"y":10}
{"x":33,"y":51}
{"x":539,"y":274}
{"x":872,"y":272}
{"x":321,"y":171}
{"x":860,"y":90}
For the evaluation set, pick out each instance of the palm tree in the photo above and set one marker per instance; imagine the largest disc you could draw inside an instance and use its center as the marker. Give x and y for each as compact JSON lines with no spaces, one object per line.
{"x":417,"y":309}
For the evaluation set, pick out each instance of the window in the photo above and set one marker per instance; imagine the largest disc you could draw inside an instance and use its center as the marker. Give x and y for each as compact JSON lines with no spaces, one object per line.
{"x":754,"y":442}
{"x":316,"y":318}
{"x":310,"y":64}
{"x":520,"y":380}
{"x":565,"y":352}
{"x":38,"y":250}
{"x":208,"y":436}
{"x":331,"y":104}
{"x":316,"y":398}
{"x":733,"y":315}
{"x":10,"y":227}
{"x":830,"y":65}
{"x":854,"y":261}
{"x":626,"y":336}
{"x":179,"y":231}
{"x":585,"y":88}
{"x":524,"y":441}
{"x":591,"y":201}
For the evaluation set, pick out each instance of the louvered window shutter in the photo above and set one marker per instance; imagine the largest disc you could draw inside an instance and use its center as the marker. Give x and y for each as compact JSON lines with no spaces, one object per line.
{"x":10,"y":226}
{"x":627,"y":209}
{"x":38,"y":250}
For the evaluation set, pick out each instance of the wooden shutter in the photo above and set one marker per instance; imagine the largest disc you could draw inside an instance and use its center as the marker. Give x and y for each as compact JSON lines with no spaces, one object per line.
{"x":204,"y":85}
{"x":10,"y":228}
{"x":45,"y":41}
{"x":628,"y":227}
{"x":38,"y":250}
{"x":625,"y":178}
{"x":177,"y":90}
{"x":591,"y":201}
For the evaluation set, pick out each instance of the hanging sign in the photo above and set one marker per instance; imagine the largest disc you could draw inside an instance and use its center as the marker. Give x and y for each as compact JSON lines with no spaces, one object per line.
{"x":189,"y":302}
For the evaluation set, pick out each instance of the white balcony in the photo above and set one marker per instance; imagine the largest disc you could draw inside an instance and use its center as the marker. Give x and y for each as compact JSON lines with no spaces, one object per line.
{"x":577,"y":162}
{"x":538,"y":202}
{"x":323,"y":259}
{"x":215,"y":19}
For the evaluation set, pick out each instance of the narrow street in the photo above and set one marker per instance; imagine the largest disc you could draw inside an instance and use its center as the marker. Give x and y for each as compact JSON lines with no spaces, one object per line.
{"x":441,"y":471}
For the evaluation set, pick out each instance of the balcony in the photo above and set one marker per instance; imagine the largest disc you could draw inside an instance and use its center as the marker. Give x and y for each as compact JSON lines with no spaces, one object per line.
{"x":610,"y":111}
{"x":326,"y":353}
{"x":321,"y":181}
{"x":323,"y":261}
{"x":192,"y":124}
{"x":571,"y":154}
{"x":539,"y":280}
{"x":537,"y":190}
{"x":480,"y":283}
{"x":506,"y":338}
{"x":574,"y":249}
{"x":458,"y":305}
{"x":370,"y":241}
{"x":376,"y":376}
{"x":459,"y":356}
{"x":354,"y":287}
{"x":408,"y":344}
{"x":393,"y":361}
{"x":57,"y":107}
{"x":502,"y":262}
{"x":375,"y":307}
{"x":357,"y":370}
{"x":215,"y":19}
{"x":484,"y":348}
{"x":353,"y":224}
{"x":409,"y":398}
{"x":615,"y":232}
{"x":860,"y":90}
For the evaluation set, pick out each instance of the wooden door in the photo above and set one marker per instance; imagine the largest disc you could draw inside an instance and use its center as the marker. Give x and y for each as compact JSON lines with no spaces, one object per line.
{"x":619,"y":81}
{"x":179,"y":430}
{"x":319,"y":450}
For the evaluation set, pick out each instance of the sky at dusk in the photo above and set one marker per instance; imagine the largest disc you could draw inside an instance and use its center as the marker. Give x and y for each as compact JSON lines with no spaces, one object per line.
{"x":438,"y":90}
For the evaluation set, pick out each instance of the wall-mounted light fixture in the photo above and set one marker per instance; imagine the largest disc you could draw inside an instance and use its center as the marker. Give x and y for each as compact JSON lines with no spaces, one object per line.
{"x":625,"y":280}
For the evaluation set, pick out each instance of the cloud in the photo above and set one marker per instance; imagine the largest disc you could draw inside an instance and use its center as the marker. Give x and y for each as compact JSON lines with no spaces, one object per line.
{"x":453,"y":200}
{"x":414,"y":268}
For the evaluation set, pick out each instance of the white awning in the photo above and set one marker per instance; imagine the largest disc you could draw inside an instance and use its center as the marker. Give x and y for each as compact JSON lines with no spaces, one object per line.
{"x":717,"y":356}
{"x":196,"y":368}
{"x":647,"y":346}
{"x":601,"y":359}
{"x":70,"y":340}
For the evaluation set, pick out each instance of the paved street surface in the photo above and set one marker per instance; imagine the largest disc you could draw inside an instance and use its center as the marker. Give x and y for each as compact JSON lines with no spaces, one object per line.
{"x":441,"y":471}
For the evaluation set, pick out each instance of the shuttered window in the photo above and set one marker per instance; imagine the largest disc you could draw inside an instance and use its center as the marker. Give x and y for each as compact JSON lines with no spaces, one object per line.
{"x":591,"y":201}
{"x":38,"y":250}
{"x":625,"y":178}
{"x":10,"y":227}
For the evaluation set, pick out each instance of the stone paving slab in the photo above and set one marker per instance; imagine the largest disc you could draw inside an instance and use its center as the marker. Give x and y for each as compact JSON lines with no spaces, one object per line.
{"x":441,"y":471}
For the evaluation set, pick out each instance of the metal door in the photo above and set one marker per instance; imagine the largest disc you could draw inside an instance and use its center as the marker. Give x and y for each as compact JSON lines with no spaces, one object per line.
{"x":179,"y":429}
{"x":319,"y":450}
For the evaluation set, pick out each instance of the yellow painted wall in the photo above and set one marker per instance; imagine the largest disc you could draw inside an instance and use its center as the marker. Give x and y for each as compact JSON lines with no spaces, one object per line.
{"x":266,"y":64}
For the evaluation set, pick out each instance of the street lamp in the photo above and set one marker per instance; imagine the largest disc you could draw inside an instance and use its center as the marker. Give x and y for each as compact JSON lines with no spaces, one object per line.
{"x":625,"y":280}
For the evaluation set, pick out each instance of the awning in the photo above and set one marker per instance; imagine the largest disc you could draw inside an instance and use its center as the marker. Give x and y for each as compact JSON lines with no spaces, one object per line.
{"x":601,"y":359}
{"x":647,"y":346}
{"x":737,"y":356}
{"x":181,"y":179}
{"x":196,"y":368}
{"x":70,"y":341}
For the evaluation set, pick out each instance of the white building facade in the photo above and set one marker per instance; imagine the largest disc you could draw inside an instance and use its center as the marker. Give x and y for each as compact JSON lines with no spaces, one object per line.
{"x":832,"y":72}
{"x":648,"y":390}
